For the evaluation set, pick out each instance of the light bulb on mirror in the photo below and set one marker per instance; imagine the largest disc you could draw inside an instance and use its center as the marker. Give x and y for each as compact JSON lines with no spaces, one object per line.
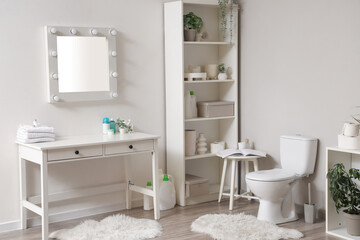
{"x":113,"y":32}
{"x":93,"y":31}
{"x":53,"y":53}
{"x":113,"y":53}
{"x":114,"y":74}
{"x":56,"y":98}
{"x":52,"y":30}
{"x":115,"y":95}
{"x":54,"y":76}
{"x":73,"y":31}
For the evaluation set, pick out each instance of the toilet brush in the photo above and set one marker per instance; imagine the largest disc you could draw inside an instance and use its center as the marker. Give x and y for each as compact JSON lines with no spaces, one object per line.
{"x":309,"y":208}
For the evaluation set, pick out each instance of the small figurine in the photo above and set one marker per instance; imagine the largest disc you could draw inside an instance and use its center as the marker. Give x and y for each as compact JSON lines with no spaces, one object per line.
{"x":35,"y":123}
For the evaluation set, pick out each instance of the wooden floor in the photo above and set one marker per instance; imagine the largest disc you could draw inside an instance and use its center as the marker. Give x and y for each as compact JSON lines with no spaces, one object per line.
{"x":176,"y":222}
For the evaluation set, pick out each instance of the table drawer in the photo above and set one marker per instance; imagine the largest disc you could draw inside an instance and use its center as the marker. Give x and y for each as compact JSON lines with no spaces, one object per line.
{"x":137,"y":146}
{"x":74,"y":152}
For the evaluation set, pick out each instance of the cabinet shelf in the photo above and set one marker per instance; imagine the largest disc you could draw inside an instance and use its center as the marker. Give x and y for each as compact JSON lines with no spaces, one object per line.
{"x":342,"y":233}
{"x":206,"y":43}
{"x":210,"y":81}
{"x":199,"y":119}
{"x":199,"y":156}
{"x":179,"y":55}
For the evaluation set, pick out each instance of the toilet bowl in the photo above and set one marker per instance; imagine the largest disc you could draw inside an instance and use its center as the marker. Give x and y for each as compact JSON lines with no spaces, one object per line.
{"x":274,"y":187}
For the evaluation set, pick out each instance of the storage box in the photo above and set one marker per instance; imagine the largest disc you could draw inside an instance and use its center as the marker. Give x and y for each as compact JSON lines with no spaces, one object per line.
{"x":215,"y":109}
{"x":195,"y":186}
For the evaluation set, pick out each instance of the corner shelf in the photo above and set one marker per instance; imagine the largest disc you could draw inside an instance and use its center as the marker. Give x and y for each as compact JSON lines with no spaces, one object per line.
{"x":206,"y":43}
{"x":210,"y":81}
{"x":199,"y":119}
{"x":335,"y":223}
{"x":199,"y":156}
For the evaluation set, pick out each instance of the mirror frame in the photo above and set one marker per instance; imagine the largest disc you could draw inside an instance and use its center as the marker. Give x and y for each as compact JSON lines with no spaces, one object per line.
{"x":51,"y":34}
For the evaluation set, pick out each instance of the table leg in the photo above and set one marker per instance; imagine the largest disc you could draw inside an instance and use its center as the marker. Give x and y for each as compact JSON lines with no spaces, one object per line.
{"x":44,"y":197}
{"x":222,"y":180}
{"x":246,"y":172}
{"x":232,"y":186}
{"x":155,"y":172}
{"x":256,"y":165}
{"x":128,"y":177}
{"x":23,"y":193}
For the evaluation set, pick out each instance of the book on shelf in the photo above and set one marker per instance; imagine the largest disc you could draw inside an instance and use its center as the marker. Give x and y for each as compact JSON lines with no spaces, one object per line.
{"x":240,"y":152}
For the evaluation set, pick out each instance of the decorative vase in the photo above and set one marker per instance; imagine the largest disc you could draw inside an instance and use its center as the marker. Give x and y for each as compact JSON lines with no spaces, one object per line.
{"x":222,"y":76}
{"x":211,"y":70}
{"x":190,"y":35}
{"x":190,"y":142}
{"x":122,"y":131}
{"x":201,"y":144}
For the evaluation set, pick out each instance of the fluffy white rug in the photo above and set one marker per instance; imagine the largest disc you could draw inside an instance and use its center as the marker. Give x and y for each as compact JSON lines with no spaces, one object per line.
{"x":241,"y":226}
{"x":116,"y":227}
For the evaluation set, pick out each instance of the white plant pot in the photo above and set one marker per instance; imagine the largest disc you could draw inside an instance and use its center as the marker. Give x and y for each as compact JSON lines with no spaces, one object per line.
{"x":222,"y":76}
{"x":122,"y":131}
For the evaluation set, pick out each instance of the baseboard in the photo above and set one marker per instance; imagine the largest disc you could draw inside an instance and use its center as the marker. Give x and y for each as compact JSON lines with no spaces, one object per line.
{"x":69,"y":215}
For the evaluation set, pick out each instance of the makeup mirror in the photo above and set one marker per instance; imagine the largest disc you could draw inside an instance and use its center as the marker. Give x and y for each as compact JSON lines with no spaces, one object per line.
{"x":81,"y":63}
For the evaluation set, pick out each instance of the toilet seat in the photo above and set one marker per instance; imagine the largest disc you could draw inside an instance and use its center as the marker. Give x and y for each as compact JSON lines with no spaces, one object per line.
{"x":273,"y":175}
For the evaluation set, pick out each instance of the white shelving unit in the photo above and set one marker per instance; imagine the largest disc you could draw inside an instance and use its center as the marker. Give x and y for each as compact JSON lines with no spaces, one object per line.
{"x":178,"y":56}
{"x":335,"y":223}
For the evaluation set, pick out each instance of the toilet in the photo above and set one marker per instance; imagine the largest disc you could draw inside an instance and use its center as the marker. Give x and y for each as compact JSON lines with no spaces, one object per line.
{"x":273,"y":187}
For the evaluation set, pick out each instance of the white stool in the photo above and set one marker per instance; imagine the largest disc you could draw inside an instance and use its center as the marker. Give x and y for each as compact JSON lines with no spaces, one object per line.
{"x":234,"y":163}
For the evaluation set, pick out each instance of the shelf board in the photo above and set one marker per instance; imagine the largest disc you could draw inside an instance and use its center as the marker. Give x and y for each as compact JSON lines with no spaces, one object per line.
{"x":208,"y":119}
{"x":206,"y":43}
{"x":199,"y":156}
{"x":342,"y":233}
{"x":210,"y":81}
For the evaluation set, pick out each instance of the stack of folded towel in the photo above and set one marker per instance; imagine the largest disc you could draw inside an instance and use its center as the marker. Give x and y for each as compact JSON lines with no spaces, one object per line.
{"x":31,"y":134}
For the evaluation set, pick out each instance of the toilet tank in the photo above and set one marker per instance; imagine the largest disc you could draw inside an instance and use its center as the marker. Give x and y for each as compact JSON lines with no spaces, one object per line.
{"x":298,"y":153}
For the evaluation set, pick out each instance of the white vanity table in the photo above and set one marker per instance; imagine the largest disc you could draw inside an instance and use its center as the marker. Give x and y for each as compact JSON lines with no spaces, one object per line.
{"x":78,"y":148}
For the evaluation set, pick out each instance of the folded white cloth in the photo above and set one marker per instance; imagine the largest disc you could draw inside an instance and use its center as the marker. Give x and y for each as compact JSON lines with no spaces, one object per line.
{"x":31,"y":135}
{"x":35,"y":140}
{"x":32,"y":129}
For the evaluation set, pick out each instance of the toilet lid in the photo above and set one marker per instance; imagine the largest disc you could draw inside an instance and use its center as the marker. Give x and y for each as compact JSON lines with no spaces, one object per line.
{"x":272,"y":175}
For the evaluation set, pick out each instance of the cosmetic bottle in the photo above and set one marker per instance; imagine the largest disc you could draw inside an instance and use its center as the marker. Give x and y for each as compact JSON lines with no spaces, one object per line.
{"x":112,"y":125}
{"x":106,"y":125}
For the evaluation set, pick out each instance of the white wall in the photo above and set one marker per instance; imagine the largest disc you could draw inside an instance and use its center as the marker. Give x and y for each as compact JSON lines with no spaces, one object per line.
{"x":300,"y":73}
{"x":23,"y":90}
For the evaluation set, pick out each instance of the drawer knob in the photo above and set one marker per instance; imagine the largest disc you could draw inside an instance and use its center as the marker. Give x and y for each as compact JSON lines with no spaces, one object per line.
{"x":131,"y":146}
{"x":77,"y":152}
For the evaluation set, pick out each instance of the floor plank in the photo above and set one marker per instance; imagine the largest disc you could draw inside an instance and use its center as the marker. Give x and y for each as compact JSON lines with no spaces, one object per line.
{"x":176,"y":222}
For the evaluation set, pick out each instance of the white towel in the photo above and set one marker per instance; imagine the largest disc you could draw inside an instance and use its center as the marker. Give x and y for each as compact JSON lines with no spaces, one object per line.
{"x":32,"y":129}
{"x":35,"y":140}
{"x":31,"y":135}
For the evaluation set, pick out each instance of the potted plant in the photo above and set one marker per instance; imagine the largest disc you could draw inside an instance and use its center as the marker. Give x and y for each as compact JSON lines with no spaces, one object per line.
{"x":222,"y":72}
{"x":125,"y":126}
{"x":192,"y":24}
{"x":346,"y":195}
{"x":223,"y":5}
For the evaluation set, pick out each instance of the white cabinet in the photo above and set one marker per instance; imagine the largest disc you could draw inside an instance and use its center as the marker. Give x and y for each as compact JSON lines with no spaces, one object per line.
{"x":178,"y":56}
{"x":335,"y":223}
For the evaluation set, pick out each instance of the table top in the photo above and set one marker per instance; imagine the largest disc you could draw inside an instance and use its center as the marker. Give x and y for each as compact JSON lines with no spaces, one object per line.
{"x":88,"y":140}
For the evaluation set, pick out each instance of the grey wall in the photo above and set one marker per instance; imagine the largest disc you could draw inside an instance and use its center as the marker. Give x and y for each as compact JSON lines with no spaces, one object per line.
{"x":300,"y":73}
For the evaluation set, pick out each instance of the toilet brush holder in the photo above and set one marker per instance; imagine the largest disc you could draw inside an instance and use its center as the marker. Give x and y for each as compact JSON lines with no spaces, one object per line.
{"x":309,"y":212}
